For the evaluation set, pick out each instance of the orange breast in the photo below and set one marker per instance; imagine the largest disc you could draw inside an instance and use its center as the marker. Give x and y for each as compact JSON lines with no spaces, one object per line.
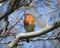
{"x":28,"y":18}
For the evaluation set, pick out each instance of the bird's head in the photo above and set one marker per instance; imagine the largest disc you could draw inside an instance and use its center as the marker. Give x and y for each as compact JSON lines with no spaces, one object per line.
{"x":26,"y":14}
{"x":28,"y":19}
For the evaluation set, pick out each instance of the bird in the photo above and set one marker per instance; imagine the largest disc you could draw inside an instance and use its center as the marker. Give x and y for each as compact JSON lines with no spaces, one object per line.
{"x":29,"y":23}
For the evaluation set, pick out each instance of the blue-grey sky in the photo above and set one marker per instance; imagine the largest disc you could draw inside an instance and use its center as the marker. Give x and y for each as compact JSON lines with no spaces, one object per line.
{"x":36,"y":12}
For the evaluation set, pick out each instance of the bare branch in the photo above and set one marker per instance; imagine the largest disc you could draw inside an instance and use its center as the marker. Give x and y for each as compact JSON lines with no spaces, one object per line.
{"x":2,"y":1}
{"x":12,"y":26}
{"x":5,"y":42}
{"x":40,"y":39}
{"x":5,"y":25}
{"x":52,"y":11}
{"x":12,"y":6}
{"x":9,"y":42}
{"x":33,"y":34}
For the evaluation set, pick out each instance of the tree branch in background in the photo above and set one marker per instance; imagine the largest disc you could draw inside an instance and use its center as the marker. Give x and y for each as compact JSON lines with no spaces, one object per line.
{"x":9,"y":29}
{"x":40,"y":39}
{"x":12,"y":6}
{"x":2,"y":1}
{"x":5,"y":26}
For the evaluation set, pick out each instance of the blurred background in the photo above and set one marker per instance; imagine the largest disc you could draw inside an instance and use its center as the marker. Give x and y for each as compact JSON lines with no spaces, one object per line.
{"x":45,"y":12}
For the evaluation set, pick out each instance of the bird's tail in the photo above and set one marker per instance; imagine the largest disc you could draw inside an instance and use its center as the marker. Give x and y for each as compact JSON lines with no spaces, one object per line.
{"x":28,"y":40}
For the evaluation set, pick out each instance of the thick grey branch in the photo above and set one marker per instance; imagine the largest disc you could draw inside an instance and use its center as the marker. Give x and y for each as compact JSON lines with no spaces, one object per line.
{"x":33,"y":34}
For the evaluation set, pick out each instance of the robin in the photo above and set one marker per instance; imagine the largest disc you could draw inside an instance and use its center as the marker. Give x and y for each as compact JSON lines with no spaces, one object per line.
{"x":29,"y":23}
